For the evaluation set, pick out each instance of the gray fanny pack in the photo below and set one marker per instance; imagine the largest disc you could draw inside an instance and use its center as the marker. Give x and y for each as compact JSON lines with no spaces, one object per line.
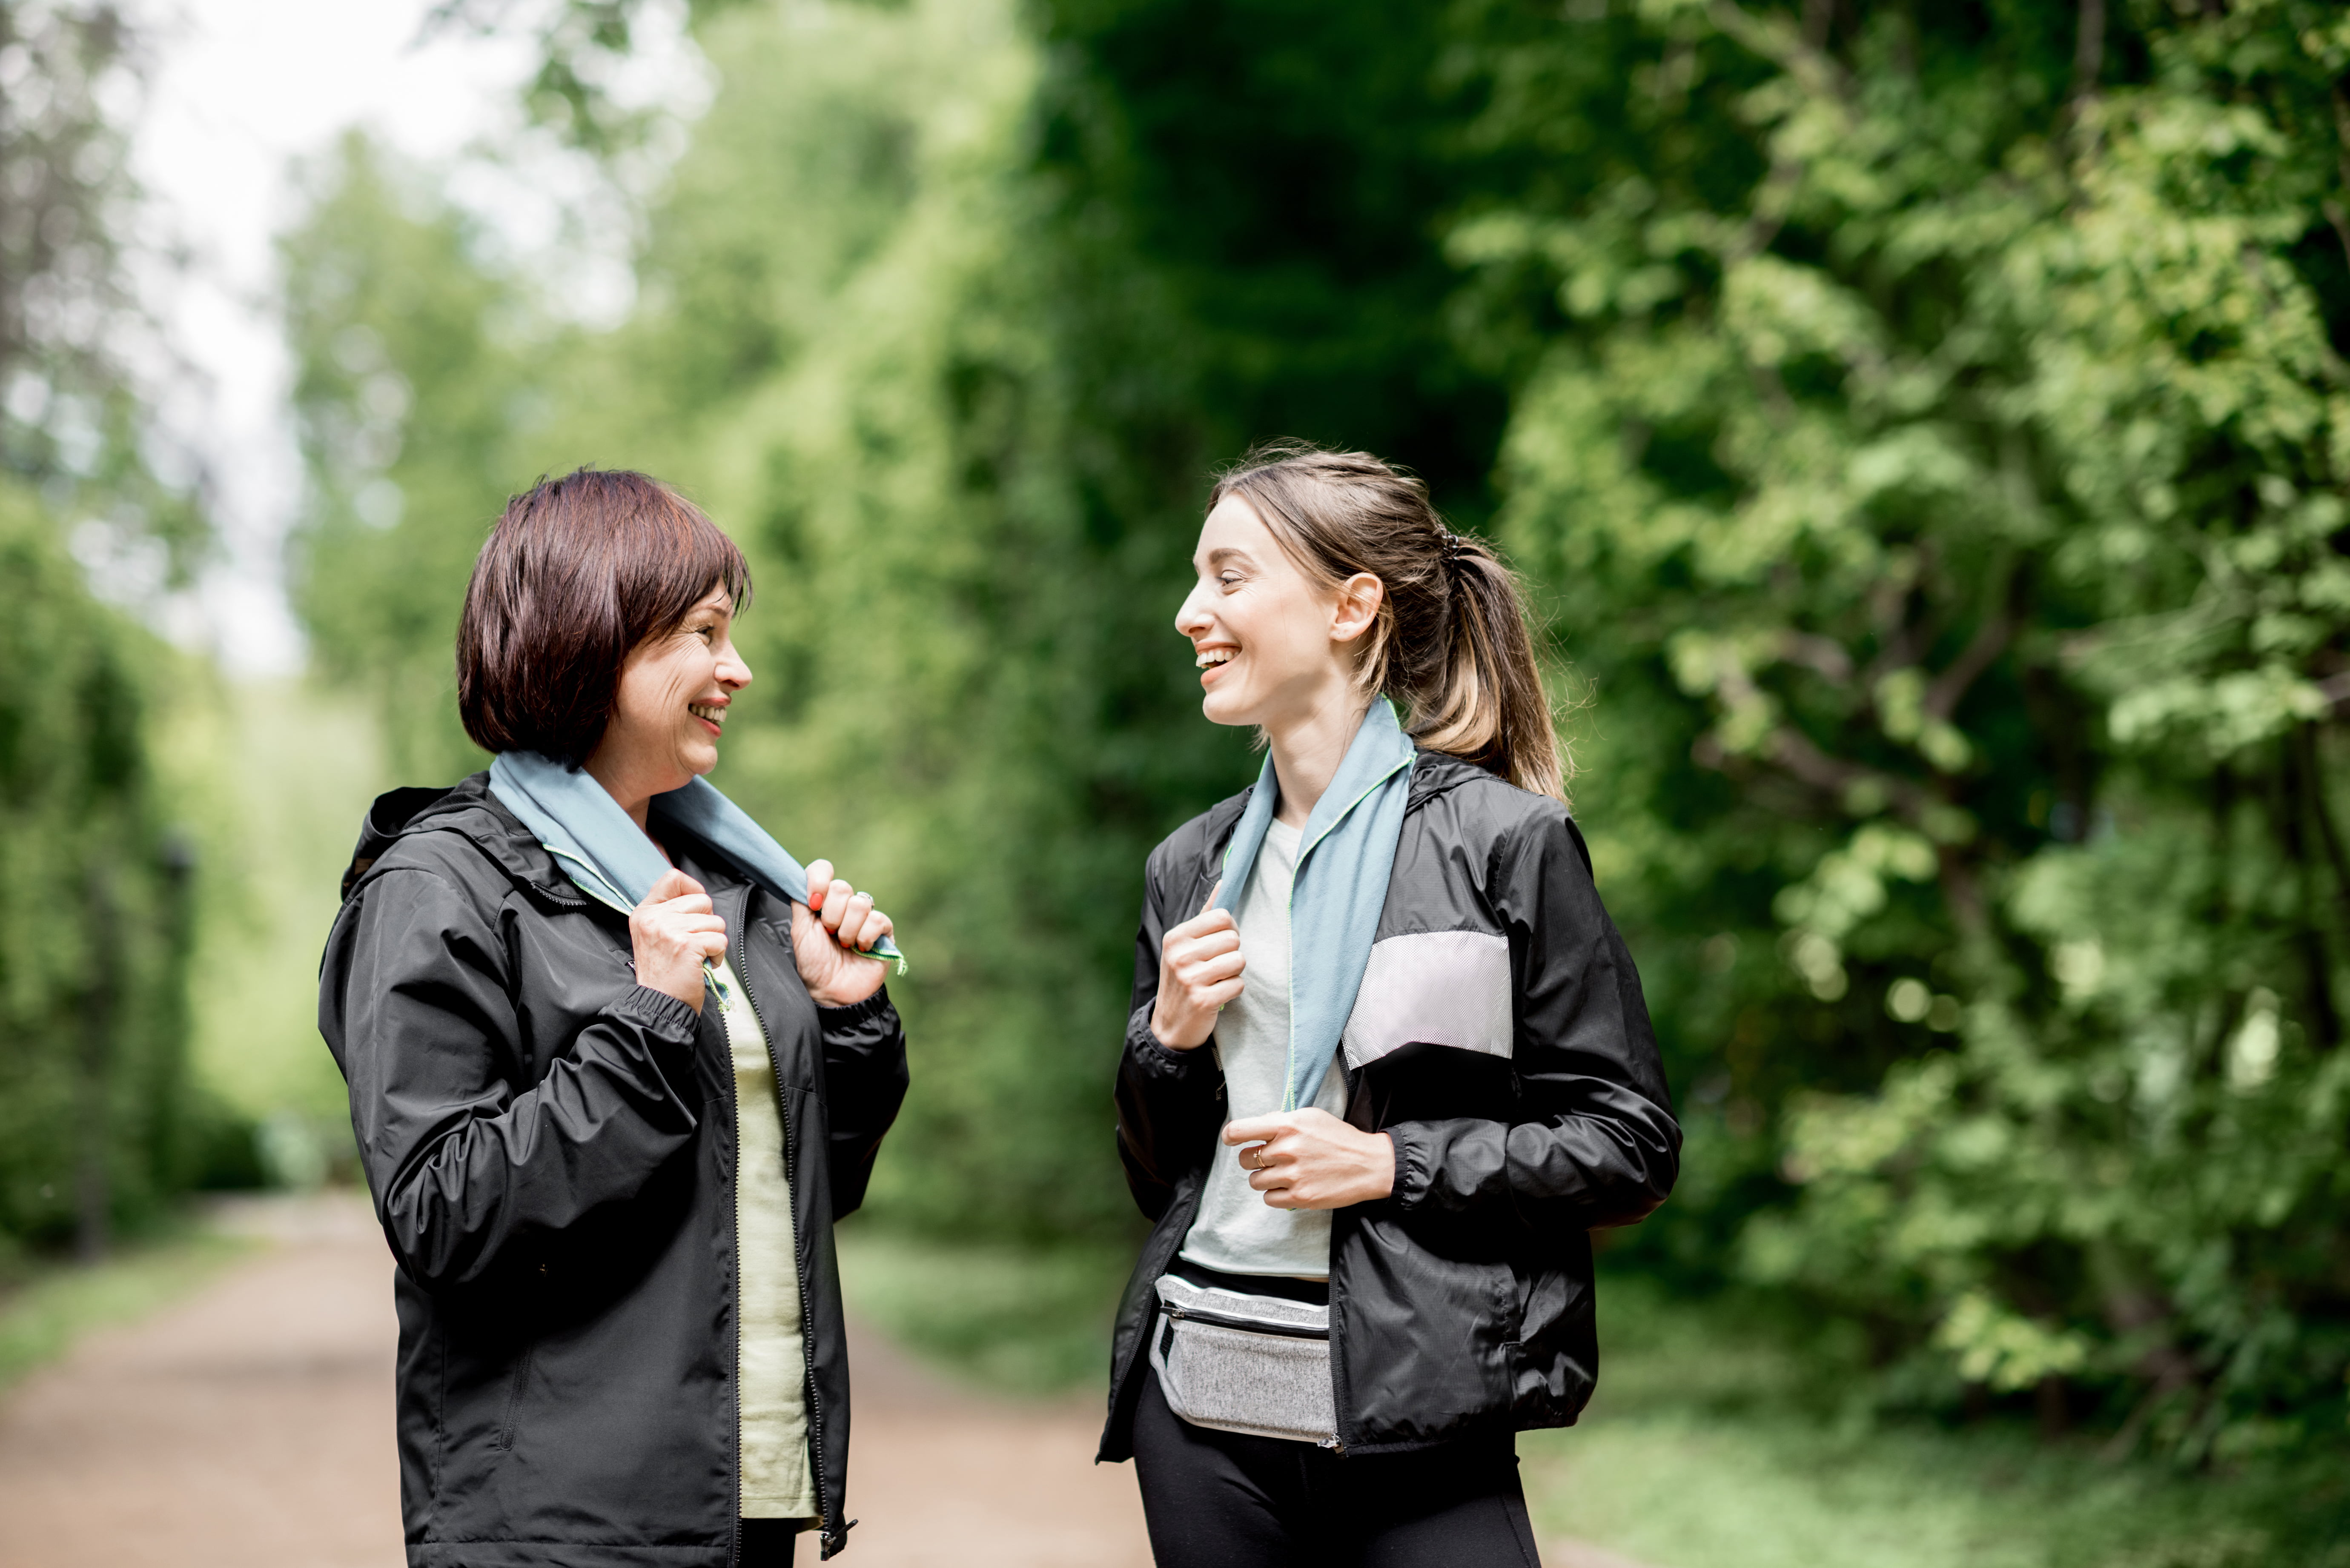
{"x":1240,"y":1363}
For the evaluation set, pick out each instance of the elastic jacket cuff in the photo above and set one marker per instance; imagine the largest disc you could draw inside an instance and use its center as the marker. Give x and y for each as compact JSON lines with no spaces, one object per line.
{"x":1414,"y":1169}
{"x":831,"y":1018}
{"x":657,"y":1010}
{"x":1155,"y":1058}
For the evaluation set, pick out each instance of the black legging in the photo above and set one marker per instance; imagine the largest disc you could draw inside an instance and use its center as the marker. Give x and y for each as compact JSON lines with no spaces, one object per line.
{"x":1223,"y":1500}
{"x":768,"y":1543}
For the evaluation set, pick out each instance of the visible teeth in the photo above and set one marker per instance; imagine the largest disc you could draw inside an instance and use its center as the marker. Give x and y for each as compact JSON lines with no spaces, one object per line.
{"x":705,"y":711}
{"x":1210,"y":656}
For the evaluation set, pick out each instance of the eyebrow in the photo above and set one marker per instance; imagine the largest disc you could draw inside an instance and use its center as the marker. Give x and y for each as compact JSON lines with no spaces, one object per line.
{"x":1218,"y":556}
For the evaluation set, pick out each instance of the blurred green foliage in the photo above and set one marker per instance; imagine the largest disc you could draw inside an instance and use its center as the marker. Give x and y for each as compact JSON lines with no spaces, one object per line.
{"x":74,"y":420}
{"x":283,"y":772}
{"x":93,"y":909}
{"x":1941,"y":475}
{"x":1921,"y":426}
{"x":98,"y":1122}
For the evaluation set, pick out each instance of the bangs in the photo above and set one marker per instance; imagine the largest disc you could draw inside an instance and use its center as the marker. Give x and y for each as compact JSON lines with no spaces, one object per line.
{"x":665,"y":557}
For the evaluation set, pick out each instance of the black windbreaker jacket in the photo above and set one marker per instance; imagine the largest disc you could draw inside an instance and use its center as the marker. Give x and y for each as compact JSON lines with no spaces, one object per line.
{"x":551,"y":1150}
{"x":1500,"y":1037}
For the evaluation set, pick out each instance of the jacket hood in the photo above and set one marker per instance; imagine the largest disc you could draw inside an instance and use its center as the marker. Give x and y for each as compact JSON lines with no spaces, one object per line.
{"x":469,"y":810}
{"x":1439,"y":772}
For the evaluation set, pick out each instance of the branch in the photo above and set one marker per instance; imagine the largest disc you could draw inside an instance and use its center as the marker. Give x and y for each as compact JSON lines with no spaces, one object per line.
{"x":2334,"y":213}
{"x":2328,"y":835}
{"x":1795,"y":753}
{"x":1823,"y":654}
{"x":2088,"y":53}
{"x":2335,"y":689}
{"x":1804,"y":57}
{"x":1990,"y":641}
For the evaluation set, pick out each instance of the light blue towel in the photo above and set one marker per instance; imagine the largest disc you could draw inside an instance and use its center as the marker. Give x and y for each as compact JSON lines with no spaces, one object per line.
{"x":1344,"y":860}
{"x":601,"y":848}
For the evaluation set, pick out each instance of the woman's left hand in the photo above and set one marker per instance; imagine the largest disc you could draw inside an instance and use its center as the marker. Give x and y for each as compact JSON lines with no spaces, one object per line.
{"x":1311,"y":1159}
{"x":832,"y":937}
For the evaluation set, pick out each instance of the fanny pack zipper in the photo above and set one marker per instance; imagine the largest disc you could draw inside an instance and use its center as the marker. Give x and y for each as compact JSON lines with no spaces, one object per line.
{"x":1247,"y":1325}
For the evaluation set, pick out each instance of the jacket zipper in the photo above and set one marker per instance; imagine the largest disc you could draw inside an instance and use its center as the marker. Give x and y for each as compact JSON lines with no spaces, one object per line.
{"x":734,"y":1206}
{"x":827,"y":1517}
{"x":1246,"y":1324}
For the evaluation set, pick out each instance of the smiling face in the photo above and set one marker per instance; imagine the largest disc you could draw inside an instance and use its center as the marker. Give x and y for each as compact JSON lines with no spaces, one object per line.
{"x":675,"y":689}
{"x":1274,"y":646}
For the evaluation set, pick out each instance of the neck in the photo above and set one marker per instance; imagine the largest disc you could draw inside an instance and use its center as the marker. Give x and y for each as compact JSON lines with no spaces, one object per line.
{"x":636,"y":801}
{"x":1306,"y":754}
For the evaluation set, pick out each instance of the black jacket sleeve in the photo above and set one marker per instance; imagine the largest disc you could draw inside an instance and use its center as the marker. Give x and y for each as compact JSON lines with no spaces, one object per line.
{"x":1598,"y":1145}
{"x":461,"y":1155}
{"x":864,"y":1085}
{"x":1168,"y":1107}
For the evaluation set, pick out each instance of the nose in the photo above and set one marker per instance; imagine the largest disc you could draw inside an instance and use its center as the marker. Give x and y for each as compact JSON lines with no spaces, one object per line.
{"x":734,"y":670}
{"x":1192,"y":619}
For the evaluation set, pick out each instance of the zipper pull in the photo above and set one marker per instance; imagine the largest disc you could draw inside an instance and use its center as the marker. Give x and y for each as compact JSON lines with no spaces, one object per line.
{"x":1334,"y":1445}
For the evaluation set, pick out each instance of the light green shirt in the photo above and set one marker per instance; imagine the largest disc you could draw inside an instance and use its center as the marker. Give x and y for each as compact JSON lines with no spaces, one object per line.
{"x":771,"y":1375}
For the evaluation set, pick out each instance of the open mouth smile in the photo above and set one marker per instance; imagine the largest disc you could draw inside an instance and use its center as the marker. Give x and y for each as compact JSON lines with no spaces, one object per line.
{"x":1210,"y":662}
{"x":710,"y":713}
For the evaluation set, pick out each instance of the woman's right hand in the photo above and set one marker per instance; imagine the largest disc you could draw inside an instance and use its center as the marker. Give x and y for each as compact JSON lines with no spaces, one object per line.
{"x":673,"y":930}
{"x":1200,"y":969}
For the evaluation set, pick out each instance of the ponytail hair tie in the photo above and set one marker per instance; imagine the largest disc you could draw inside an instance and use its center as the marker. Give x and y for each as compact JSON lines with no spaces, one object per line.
{"x":1450,"y":542}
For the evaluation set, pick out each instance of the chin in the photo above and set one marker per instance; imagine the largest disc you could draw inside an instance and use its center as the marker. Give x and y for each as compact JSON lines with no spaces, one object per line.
{"x":1220,"y":707}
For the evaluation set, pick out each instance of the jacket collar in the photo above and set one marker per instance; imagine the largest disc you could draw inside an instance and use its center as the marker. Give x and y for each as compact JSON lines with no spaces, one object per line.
{"x":469,"y":810}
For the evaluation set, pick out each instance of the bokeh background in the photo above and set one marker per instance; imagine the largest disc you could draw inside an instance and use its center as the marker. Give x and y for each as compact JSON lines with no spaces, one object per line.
{"x":1923,"y":427}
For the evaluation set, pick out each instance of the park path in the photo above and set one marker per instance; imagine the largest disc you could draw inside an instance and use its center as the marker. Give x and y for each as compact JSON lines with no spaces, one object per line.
{"x":250,"y":1427}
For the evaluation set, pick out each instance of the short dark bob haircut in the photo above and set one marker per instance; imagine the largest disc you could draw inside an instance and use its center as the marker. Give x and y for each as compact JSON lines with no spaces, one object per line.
{"x":577,"y":573}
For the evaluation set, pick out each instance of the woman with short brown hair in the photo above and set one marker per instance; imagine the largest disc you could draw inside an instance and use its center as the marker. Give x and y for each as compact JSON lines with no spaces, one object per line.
{"x":617,"y":1064}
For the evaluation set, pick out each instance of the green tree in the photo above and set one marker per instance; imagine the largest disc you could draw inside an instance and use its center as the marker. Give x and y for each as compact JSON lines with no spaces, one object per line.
{"x":93,"y":910}
{"x":1921,"y":423}
{"x":93,"y":933}
{"x":1939,"y":471}
{"x":418,"y":368}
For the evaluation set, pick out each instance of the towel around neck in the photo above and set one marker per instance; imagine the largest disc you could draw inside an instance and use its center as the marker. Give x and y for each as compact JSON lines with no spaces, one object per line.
{"x":1344,"y":860}
{"x":601,"y":848}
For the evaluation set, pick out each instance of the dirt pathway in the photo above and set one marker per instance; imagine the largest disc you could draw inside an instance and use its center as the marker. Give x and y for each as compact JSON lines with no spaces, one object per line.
{"x":250,"y":1427}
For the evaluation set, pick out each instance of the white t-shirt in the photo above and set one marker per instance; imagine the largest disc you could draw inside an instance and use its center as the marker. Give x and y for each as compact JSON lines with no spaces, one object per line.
{"x":1236,"y":1229}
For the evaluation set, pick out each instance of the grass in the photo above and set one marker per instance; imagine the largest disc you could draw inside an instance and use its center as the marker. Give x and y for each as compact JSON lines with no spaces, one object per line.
{"x":46,"y":1306}
{"x":1025,"y":1322}
{"x":1712,"y":1443}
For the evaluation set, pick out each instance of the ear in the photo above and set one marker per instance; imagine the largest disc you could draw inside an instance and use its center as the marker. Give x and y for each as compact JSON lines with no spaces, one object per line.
{"x":1359,"y":597}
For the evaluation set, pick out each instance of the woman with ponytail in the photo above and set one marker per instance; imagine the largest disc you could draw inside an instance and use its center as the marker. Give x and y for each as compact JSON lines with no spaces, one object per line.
{"x":1388,"y":1064}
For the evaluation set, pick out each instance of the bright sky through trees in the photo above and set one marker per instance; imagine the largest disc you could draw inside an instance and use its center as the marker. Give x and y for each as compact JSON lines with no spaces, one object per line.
{"x":241,"y":91}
